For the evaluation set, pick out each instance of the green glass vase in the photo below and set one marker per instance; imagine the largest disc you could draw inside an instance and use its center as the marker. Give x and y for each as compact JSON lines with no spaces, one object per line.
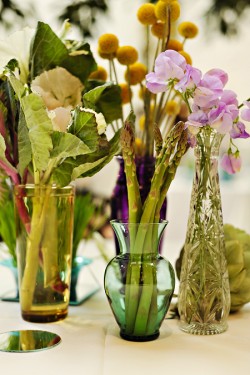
{"x":139,"y":282}
{"x":204,"y":294}
{"x":44,"y":229}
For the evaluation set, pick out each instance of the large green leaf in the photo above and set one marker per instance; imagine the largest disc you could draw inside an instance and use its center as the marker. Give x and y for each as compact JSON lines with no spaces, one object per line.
{"x":86,"y":165}
{"x":48,"y":52}
{"x":38,"y":123}
{"x":66,"y":145}
{"x":84,"y":127}
{"x":24,"y":146}
{"x":106,"y":99}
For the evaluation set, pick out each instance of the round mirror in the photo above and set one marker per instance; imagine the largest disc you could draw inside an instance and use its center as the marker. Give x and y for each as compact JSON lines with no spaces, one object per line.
{"x":27,"y":341}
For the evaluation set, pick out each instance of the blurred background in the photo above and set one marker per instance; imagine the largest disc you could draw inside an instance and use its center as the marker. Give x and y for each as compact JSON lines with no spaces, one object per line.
{"x":222,"y":42}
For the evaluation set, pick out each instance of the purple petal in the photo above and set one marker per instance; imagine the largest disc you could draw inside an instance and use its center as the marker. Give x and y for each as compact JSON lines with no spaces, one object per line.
{"x":229,"y":97}
{"x":219,"y":73}
{"x":231,"y":163}
{"x":238,"y":131}
{"x":245,"y":114}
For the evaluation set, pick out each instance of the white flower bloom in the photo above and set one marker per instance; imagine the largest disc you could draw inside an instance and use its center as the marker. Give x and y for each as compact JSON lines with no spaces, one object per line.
{"x":61,"y":92}
{"x":58,"y":88}
{"x":17,"y":46}
{"x":100,"y":120}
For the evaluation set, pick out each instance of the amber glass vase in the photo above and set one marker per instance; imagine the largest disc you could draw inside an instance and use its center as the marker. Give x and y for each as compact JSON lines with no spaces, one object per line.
{"x":44,"y":227}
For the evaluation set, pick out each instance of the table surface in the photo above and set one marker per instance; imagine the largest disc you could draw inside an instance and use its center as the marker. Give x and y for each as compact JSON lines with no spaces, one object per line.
{"x":91,"y":343}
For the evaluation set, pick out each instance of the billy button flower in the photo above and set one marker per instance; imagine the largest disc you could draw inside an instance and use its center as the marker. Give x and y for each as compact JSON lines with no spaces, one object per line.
{"x":158,"y":29}
{"x":186,"y":56}
{"x":135,"y":73}
{"x":146,"y":14}
{"x":188,"y":30}
{"x":126,"y":55}
{"x":163,"y":9}
{"x":172,"y":108}
{"x":126,"y":93}
{"x":108,"y":44}
{"x":175,"y":45}
{"x":106,"y":56}
{"x":99,"y":74}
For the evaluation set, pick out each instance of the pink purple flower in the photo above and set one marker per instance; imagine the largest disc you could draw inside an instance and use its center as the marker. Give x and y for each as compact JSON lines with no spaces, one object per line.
{"x":231,"y":163}
{"x":239,"y":131}
{"x":169,"y":65}
{"x":245,"y":112}
{"x":190,"y":80}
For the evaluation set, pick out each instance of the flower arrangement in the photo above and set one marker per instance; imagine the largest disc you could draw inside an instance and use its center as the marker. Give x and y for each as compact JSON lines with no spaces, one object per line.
{"x":156,"y":20}
{"x":212,"y":109}
{"x":51,"y":130}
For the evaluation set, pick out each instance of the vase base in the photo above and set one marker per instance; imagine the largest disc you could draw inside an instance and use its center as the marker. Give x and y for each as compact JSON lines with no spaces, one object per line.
{"x":41,"y":317}
{"x":139,"y":338}
{"x":204,"y":328}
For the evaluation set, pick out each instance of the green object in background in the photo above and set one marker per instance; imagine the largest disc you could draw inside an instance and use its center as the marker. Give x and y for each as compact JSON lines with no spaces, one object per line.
{"x":83,"y":211}
{"x":237,"y":248}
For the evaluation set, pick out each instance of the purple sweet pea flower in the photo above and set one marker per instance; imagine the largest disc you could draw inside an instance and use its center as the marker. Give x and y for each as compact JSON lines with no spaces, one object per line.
{"x":221,"y":119}
{"x":169,"y":65}
{"x":204,"y":97}
{"x":197,"y":119}
{"x":231,"y":163}
{"x":219,"y":73}
{"x":245,"y":112}
{"x":190,"y":80}
{"x":238,"y":131}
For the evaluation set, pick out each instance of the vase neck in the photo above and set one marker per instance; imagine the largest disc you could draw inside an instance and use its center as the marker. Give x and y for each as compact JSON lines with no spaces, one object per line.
{"x":139,"y":239}
{"x":208,"y":143}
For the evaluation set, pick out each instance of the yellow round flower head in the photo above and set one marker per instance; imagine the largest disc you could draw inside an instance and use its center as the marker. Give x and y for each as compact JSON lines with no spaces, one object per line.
{"x":126,"y":55}
{"x":167,"y":1}
{"x":136,"y":73}
{"x":106,"y":56}
{"x":142,"y":123}
{"x":100,"y":74}
{"x":146,"y":14}
{"x":188,"y":29}
{"x":175,"y":10}
{"x":172,"y":108}
{"x":175,"y":45}
{"x":139,"y":146}
{"x":125,"y":95}
{"x":162,"y":9}
{"x":157,"y":29}
{"x":108,"y":43}
{"x":186,"y":56}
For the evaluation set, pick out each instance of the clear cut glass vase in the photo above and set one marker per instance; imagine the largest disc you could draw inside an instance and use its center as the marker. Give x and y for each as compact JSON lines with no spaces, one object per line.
{"x":44,"y":230}
{"x":139,"y":282}
{"x":204,"y":294}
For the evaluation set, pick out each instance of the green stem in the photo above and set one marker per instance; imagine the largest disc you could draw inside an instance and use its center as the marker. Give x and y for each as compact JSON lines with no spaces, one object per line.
{"x":28,"y":281}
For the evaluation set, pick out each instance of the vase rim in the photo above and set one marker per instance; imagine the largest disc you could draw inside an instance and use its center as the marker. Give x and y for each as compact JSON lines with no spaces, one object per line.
{"x":126,"y":222}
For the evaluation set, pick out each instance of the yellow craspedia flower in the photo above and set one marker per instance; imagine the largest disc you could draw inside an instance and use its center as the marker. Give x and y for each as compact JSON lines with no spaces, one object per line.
{"x":106,"y":56}
{"x":167,"y":1}
{"x":100,"y":73}
{"x":139,"y":146}
{"x":142,"y":123}
{"x":126,"y":55}
{"x":162,"y":10}
{"x":172,"y":108}
{"x":108,"y":43}
{"x":175,"y":45}
{"x":186,"y":56}
{"x":157,"y":29}
{"x":135,"y":73}
{"x":126,"y":93}
{"x":188,"y":29}
{"x":146,"y":14}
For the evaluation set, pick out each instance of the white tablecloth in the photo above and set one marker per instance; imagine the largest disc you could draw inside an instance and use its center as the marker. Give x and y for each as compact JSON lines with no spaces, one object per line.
{"x":91,"y":343}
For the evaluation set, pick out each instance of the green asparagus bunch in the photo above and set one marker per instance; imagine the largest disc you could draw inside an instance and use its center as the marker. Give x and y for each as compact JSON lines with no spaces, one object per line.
{"x":141,"y":303}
